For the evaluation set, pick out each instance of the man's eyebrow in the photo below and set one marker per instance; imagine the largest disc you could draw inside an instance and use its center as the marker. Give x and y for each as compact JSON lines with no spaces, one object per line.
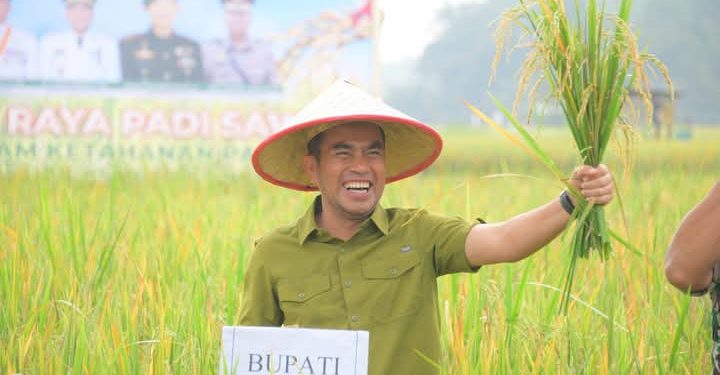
{"x":376,"y":145}
{"x":341,"y":145}
{"x":346,"y":146}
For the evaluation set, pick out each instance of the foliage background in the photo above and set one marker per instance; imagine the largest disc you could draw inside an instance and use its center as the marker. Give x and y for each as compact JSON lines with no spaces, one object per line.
{"x":136,"y":273}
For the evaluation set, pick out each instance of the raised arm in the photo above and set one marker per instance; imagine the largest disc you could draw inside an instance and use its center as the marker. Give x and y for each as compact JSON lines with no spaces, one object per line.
{"x":522,"y":235}
{"x":695,"y":247}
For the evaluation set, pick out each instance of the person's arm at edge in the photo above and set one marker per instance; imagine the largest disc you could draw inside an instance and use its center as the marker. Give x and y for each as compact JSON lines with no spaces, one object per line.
{"x":695,"y":247}
{"x":524,"y":234}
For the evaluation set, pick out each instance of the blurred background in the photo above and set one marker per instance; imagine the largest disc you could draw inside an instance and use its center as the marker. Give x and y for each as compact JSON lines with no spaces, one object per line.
{"x":454,"y":61}
{"x":232,"y":72}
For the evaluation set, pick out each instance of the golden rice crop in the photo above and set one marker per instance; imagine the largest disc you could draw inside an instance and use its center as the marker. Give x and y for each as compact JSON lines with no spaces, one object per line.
{"x":591,"y":64}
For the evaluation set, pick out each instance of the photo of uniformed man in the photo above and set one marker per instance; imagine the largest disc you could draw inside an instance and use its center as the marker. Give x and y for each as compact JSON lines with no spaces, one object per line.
{"x":18,"y":50}
{"x":161,"y":55}
{"x":238,"y":58}
{"x":79,"y":54}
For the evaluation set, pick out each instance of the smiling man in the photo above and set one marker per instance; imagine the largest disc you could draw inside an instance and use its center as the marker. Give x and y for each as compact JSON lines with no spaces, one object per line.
{"x":350,"y":263}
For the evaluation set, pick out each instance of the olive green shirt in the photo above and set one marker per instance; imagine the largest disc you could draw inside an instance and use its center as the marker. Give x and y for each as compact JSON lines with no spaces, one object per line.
{"x":382,"y":280}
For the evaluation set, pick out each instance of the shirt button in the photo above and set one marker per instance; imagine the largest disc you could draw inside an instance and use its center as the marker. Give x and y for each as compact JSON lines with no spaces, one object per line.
{"x":393,"y":271}
{"x":355,"y":318}
{"x":301,"y":295}
{"x":348,"y":284}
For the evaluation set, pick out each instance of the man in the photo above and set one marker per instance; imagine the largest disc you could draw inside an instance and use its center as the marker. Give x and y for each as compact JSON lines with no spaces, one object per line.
{"x":239,"y":59}
{"x":692,"y":259}
{"x":18,"y":50}
{"x":350,"y":263}
{"x":78,"y":54}
{"x":160,"y":55}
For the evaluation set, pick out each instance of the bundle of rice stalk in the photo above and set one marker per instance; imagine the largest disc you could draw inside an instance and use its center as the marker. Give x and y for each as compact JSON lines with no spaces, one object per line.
{"x":591,"y":72}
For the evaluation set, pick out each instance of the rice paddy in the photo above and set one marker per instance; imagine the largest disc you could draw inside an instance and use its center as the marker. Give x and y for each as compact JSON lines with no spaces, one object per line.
{"x":136,"y":274}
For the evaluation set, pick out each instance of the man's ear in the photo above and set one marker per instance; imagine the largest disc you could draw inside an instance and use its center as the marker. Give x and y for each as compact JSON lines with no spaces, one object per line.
{"x":310,"y":167}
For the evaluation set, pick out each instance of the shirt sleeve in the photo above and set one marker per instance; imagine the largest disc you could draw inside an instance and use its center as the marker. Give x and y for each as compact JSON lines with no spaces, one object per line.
{"x":198,"y":74}
{"x":259,"y":301}
{"x":448,"y":236}
{"x":33,"y":58}
{"x":126,"y":60}
{"x":42,"y":64}
{"x":111,"y":63}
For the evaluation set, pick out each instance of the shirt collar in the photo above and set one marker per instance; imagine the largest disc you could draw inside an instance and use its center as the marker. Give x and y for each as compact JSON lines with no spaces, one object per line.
{"x":307,"y":225}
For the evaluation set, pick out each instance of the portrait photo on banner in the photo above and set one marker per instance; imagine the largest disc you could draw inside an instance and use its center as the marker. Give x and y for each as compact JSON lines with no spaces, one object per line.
{"x":202,"y":44}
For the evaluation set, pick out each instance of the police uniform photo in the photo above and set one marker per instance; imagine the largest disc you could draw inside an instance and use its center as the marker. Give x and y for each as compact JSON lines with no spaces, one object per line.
{"x":251,"y":64}
{"x":238,"y":58}
{"x":167,"y":57}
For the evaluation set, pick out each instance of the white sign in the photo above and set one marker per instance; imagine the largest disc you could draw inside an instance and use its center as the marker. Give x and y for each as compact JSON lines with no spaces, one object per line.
{"x":281,"y":350}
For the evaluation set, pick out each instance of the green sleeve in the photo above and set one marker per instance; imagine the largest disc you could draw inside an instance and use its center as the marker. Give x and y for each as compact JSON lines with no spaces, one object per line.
{"x":259,"y":301}
{"x":448,"y":236}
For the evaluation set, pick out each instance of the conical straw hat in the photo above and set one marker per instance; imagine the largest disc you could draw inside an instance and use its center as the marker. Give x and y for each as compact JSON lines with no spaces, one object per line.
{"x":410,"y":146}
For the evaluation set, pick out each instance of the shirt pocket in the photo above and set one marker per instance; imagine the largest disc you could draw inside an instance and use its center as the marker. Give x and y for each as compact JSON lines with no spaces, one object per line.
{"x":397,"y":282}
{"x":306,"y":301}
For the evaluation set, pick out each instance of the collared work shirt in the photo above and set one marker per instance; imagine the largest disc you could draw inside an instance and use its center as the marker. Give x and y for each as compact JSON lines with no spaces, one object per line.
{"x":382,"y":280}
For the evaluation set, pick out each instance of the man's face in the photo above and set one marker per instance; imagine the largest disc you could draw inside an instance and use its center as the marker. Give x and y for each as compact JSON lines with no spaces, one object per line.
{"x":80,"y":16}
{"x":237,"y":18}
{"x":4,"y":9}
{"x":350,"y":171}
{"x":162,"y":12}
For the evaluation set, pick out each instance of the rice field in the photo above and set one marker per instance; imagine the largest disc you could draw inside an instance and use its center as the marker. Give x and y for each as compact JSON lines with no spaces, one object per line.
{"x":136,"y":274}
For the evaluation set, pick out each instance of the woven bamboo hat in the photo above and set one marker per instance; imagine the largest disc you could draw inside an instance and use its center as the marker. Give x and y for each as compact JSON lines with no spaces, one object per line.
{"x":410,"y":146}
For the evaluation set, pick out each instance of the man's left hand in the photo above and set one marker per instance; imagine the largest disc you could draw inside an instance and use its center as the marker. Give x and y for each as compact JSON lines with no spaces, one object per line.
{"x":594,"y":183}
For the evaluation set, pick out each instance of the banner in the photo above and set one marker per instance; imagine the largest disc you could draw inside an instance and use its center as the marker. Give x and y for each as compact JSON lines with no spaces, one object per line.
{"x":173,"y":83}
{"x":283,"y":350}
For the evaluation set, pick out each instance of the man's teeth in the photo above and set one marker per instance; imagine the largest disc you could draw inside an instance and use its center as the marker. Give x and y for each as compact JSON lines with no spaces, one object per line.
{"x":357,"y":185}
